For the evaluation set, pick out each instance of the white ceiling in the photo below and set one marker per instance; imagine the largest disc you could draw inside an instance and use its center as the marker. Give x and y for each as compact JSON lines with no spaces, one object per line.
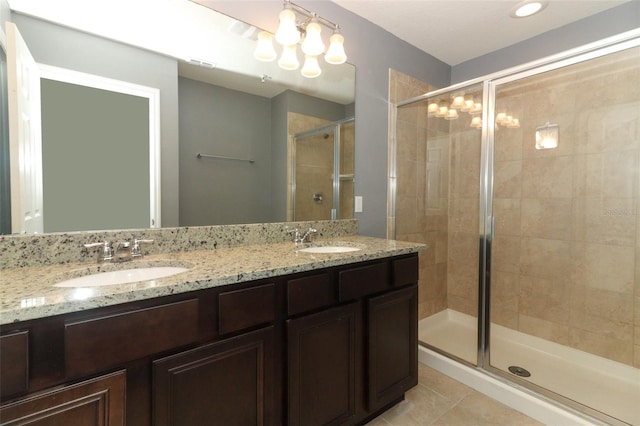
{"x":455,"y":31}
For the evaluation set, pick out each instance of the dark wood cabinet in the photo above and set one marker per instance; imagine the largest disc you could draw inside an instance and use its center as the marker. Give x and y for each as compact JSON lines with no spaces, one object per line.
{"x":393,"y":354}
{"x":322,"y":354}
{"x":96,"y":402}
{"x":224,"y":383}
{"x":333,"y":346}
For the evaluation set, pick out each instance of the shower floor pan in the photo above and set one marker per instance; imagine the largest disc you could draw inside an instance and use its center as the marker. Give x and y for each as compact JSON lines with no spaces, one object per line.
{"x":604,"y":385}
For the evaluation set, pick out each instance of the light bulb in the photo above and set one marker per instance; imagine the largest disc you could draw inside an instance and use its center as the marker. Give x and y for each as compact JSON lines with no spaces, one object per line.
{"x":443,"y":110}
{"x":289,"y":58}
{"x":335,"y":55}
{"x":432,"y":108}
{"x":452,"y":114}
{"x":458,"y":101}
{"x":287,"y":34}
{"x":476,"y":122}
{"x":311,"y":68}
{"x":312,"y":44}
{"x":468,"y":105}
{"x":264,"y":49}
{"x":477,"y":109}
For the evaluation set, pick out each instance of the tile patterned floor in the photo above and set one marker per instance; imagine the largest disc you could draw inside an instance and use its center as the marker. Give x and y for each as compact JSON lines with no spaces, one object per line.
{"x":439,"y":400}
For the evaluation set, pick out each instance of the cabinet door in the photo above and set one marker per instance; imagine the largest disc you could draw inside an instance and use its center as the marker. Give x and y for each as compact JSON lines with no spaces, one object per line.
{"x":392,"y":345}
{"x":225,"y":383}
{"x":98,"y":402}
{"x":323,"y":357}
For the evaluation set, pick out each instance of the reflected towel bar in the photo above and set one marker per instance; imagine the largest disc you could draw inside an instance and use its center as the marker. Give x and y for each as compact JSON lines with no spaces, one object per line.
{"x":198,"y":155}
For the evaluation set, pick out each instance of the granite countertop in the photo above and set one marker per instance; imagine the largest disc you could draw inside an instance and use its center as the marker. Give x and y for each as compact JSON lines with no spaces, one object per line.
{"x":29,"y":292}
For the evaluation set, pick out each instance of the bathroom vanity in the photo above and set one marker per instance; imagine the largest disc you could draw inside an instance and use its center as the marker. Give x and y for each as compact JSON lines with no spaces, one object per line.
{"x":301,"y":339}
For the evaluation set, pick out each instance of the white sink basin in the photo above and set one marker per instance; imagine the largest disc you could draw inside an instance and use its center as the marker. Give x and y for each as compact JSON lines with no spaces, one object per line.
{"x":122,"y":276}
{"x":329,"y":249}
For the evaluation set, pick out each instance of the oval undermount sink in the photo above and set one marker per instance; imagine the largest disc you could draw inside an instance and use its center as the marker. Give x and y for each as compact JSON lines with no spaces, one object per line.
{"x":329,"y":249}
{"x":123,"y":276}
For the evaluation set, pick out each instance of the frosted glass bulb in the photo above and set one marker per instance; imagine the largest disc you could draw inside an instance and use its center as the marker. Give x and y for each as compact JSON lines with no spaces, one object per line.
{"x":264,"y":49}
{"x":289,"y":58}
{"x":335,"y":55}
{"x":287,"y":34}
{"x":312,"y":44}
{"x":311,"y":68}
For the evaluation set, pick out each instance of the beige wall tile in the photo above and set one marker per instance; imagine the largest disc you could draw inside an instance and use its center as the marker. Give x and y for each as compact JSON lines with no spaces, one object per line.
{"x":544,"y":329}
{"x":605,"y":220}
{"x":605,"y":267}
{"x":545,"y":258}
{"x":546,"y":218}
{"x":506,"y":254}
{"x":545,"y":299}
{"x":547,"y":177}
{"x":506,"y":213}
{"x":602,"y":345}
{"x":507,"y":179}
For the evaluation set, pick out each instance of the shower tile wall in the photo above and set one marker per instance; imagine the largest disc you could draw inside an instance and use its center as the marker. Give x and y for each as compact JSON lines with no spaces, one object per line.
{"x":418,"y":219}
{"x":566,"y":262}
{"x":314,"y":156}
{"x":315,"y":170}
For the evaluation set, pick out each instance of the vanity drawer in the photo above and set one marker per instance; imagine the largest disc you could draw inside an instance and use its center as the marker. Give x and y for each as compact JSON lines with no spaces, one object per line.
{"x":405,"y":271}
{"x":359,"y":282}
{"x":14,"y":363}
{"x":246,"y":308}
{"x":100,"y":343}
{"x":309,"y":293}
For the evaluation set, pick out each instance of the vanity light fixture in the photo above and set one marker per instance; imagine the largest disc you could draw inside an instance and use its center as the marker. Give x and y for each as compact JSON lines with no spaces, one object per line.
{"x":298,"y":23}
{"x":547,"y":136}
{"x":527,"y":8}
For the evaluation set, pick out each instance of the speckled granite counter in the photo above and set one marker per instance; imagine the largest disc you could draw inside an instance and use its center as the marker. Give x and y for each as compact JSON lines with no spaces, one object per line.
{"x":28,"y":292}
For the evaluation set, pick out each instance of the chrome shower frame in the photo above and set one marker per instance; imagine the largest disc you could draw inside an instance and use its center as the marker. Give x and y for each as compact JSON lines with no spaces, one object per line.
{"x":486,"y":229}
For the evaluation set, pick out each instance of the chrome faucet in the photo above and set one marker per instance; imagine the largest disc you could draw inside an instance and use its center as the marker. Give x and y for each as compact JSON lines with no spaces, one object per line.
{"x":106,"y":251}
{"x":299,"y":237}
{"x":123,"y":252}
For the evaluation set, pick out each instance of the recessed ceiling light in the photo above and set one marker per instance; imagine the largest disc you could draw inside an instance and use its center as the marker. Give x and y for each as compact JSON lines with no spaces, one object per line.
{"x":527,"y":8}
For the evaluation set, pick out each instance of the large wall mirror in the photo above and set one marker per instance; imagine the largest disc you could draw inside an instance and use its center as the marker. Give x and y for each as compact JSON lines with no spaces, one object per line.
{"x":240,"y":141}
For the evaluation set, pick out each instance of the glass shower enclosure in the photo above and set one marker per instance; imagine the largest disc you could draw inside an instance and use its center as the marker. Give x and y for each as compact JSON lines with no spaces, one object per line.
{"x":525,"y":184}
{"x":323,"y":172}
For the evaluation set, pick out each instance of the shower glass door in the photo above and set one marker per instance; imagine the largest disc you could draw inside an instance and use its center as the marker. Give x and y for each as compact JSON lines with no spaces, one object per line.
{"x":323,"y":172}
{"x":437,"y":176}
{"x":565,"y":249}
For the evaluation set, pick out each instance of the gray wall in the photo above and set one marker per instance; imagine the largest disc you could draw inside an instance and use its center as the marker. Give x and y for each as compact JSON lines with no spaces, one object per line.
{"x":373,"y":51}
{"x":63,"y":47}
{"x":605,"y":24}
{"x":218,"y":121}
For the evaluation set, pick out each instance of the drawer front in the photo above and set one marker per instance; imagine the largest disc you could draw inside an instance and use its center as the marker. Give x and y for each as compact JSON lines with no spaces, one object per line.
{"x":14,"y":364}
{"x":309,"y":293}
{"x":359,"y":282}
{"x":405,"y":271}
{"x":101,"y":343}
{"x":249,"y":307}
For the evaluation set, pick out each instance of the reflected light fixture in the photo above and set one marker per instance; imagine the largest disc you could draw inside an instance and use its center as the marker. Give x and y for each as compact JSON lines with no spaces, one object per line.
{"x":264,"y":50}
{"x":547,"y":136}
{"x":298,"y":23}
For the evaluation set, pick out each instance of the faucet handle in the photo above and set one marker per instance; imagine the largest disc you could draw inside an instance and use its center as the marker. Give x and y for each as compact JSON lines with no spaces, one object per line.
{"x":297,"y":237}
{"x":136,"y":250}
{"x":307,"y":235}
{"x":106,"y":252}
